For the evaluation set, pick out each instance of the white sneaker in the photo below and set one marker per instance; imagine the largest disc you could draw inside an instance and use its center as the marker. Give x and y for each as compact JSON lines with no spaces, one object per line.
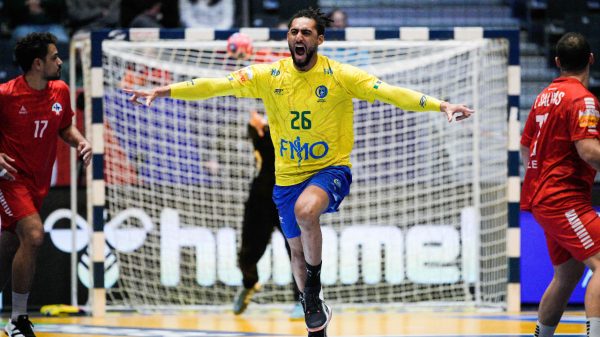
{"x":22,"y":327}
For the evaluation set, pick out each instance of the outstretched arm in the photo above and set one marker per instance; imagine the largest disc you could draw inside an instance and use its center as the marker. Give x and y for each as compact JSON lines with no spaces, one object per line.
{"x":415,"y":101}
{"x":196,"y":89}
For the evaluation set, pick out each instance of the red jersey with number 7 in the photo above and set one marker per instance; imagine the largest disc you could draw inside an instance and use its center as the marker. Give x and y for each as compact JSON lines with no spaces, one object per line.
{"x":30,"y":121}
{"x":556,"y":176}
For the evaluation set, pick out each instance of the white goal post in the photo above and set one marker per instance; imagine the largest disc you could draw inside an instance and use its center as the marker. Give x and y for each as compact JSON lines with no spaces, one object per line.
{"x":432,"y":216}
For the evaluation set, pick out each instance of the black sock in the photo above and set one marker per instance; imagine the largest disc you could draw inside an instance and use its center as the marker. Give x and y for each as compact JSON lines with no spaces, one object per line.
{"x":313,"y":277}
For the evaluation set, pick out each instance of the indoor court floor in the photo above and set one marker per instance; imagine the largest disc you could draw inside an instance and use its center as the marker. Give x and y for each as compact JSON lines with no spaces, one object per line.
{"x":346,"y":323}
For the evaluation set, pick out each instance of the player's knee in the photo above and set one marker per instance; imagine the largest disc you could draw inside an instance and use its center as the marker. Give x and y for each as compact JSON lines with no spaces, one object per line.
{"x":306,"y":215}
{"x":34,"y":238}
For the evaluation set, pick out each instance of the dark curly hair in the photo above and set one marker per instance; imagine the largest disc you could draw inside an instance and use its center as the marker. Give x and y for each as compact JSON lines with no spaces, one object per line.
{"x":32,"y":46}
{"x":320,"y":18}
{"x":573,"y":51}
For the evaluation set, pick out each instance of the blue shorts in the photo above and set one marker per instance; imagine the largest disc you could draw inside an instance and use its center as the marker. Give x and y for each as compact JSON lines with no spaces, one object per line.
{"x":335,"y":180}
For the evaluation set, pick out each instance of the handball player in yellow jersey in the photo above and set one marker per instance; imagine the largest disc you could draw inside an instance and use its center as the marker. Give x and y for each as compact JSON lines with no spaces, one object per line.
{"x":308,"y":100}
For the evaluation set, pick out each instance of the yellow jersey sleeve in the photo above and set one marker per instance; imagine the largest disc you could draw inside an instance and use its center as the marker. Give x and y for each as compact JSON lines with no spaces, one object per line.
{"x":363,"y":85}
{"x":357,"y":82}
{"x":241,"y":83}
{"x":201,"y":88}
{"x":250,"y":82}
{"x":406,"y":99}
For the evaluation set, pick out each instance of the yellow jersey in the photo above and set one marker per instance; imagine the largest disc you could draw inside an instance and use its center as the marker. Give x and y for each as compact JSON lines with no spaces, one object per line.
{"x":310,"y":112}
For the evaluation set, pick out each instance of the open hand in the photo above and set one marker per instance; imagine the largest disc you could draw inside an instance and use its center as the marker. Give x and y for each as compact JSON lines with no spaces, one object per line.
{"x":6,"y":170}
{"x":457,"y":111}
{"x":147,"y":95}
{"x":84,"y":149}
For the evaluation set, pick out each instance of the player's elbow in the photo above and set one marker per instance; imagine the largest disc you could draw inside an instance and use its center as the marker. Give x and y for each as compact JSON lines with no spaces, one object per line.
{"x":65,"y":133}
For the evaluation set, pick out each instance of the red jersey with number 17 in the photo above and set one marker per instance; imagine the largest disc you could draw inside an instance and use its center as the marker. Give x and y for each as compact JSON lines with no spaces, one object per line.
{"x":30,"y":121}
{"x":556,"y":176}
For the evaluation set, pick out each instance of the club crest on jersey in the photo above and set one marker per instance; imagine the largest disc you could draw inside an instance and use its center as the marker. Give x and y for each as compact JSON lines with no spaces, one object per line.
{"x":57,"y":108}
{"x":423,"y":101}
{"x":321,"y":92}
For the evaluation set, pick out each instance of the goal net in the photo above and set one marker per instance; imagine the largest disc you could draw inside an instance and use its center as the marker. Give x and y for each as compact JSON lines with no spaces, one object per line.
{"x":426,"y":218}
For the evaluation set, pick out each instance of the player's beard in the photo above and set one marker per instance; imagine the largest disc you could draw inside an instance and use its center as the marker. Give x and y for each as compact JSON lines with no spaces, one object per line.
{"x":310,"y":53}
{"x":53,"y":76}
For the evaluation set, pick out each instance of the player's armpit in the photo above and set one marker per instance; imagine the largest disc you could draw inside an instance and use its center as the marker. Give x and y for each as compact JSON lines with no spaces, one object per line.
{"x":202,"y":88}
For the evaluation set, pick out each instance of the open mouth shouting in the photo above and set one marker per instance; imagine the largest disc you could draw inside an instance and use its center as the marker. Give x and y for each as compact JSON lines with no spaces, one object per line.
{"x":301,"y":55}
{"x":299,"y":49}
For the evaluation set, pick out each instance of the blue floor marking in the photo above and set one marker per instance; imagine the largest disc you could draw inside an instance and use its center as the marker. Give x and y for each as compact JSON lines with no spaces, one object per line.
{"x":77,"y":329}
{"x":570,"y":320}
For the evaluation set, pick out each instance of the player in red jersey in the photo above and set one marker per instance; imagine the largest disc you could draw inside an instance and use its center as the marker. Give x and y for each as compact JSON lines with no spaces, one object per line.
{"x":34,"y":109}
{"x":560,"y":148}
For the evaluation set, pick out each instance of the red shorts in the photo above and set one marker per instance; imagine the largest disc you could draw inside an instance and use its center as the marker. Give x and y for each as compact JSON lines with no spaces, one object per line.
{"x":570,"y":232}
{"x":17,"y":201}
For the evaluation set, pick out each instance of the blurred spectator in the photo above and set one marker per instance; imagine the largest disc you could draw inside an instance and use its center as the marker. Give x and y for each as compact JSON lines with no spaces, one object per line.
{"x":339,"y":18}
{"x":150,"y":15}
{"x":87,"y":15}
{"x":258,"y":13}
{"x":207,"y":13}
{"x":28,"y":16}
{"x":170,"y":14}
{"x":4,"y":30}
{"x":558,"y":13}
{"x":519,"y":8}
{"x":289,"y":8}
{"x":168,"y":17}
{"x":270,"y":13}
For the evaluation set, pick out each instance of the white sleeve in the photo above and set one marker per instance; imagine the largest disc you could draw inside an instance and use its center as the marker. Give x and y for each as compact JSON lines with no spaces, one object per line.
{"x":186,"y":13}
{"x":228,"y":13}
